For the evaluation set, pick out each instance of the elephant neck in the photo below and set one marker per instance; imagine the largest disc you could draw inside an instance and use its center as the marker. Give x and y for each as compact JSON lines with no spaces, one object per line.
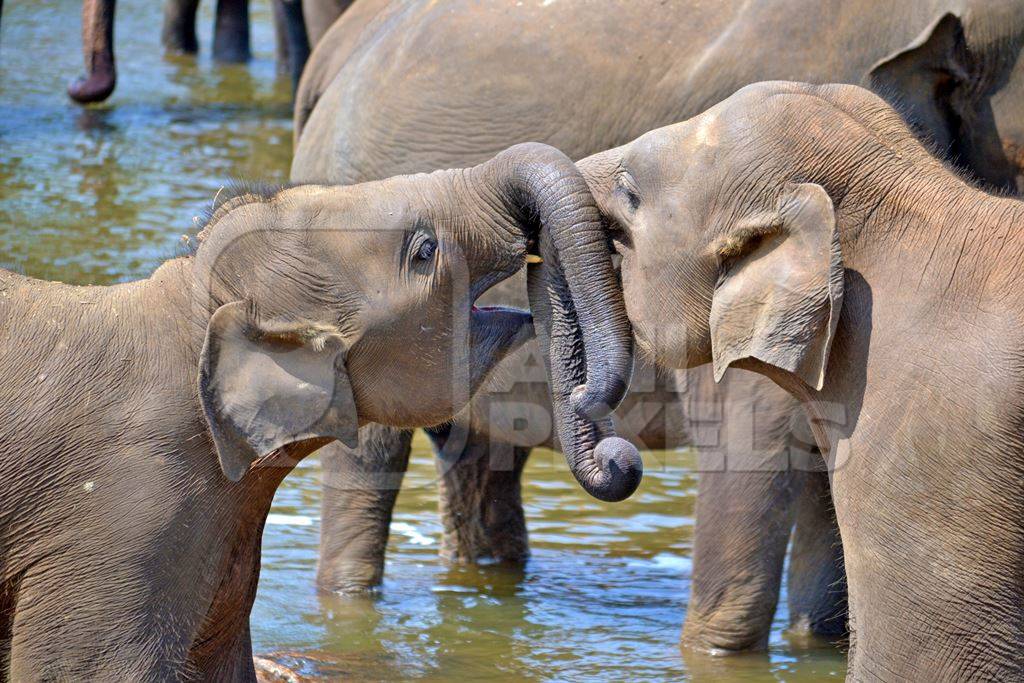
{"x":929,"y":227}
{"x":174,"y":310}
{"x":175,"y":315}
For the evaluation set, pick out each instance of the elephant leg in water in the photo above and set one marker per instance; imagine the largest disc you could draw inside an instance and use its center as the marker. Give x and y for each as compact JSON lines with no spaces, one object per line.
{"x":292,"y":43}
{"x":480,"y":503}
{"x":817,"y":577}
{"x":754,"y":484}
{"x":230,"y":29}
{"x":179,"y":29}
{"x":359,"y":491}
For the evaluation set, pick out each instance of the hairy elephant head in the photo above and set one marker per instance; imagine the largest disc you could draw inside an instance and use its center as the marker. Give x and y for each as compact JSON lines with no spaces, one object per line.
{"x":961,"y":84}
{"x":331,"y":306}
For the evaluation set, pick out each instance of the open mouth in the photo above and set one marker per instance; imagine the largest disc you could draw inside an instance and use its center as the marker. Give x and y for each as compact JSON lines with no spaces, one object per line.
{"x":501,"y":309}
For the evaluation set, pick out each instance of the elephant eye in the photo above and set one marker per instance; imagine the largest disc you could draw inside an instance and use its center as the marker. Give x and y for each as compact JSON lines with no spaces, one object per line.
{"x":426,"y":250}
{"x":626,"y":186}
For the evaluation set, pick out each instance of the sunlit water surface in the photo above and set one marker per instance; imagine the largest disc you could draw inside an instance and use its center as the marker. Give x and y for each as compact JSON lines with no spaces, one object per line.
{"x":104,"y":194}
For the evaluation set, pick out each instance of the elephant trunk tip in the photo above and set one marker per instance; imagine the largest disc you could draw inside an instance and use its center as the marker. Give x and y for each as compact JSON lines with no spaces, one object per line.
{"x":620,"y":470}
{"x":94,"y":87}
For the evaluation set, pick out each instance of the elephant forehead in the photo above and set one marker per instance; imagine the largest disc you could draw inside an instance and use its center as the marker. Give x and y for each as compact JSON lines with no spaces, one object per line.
{"x":693,"y":135}
{"x":706,"y":131}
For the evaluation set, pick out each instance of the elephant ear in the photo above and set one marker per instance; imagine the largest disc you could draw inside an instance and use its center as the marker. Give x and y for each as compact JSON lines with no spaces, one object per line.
{"x":922,"y":79}
{"x":266,"y":385}
{"x":781,"y":287}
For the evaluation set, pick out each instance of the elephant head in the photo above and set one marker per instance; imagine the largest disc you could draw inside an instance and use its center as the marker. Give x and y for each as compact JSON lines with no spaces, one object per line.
{"x":729,"y":254}
{"x":961,"y":84}
{"x":328,"y":307}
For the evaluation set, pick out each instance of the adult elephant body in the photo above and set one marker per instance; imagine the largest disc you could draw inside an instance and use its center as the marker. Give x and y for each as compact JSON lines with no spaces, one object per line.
{"x":814,"y":240}
{"x":410,"y":86}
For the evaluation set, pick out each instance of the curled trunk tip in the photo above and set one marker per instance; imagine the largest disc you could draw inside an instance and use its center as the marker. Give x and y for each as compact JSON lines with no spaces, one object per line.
{"x":618,"y":470}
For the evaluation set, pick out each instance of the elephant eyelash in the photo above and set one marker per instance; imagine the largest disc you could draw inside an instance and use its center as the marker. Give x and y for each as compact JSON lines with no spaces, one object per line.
{"x":624,"y":184}
{"x":421,"y":246}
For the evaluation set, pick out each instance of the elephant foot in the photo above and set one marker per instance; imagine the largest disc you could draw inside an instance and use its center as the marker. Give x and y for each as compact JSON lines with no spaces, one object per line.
{"x":350,"y":577}
{"x":804,"y":634}
{"x":480,"y":499}
{"x":723,"y":637}
{"x":94,"y":87}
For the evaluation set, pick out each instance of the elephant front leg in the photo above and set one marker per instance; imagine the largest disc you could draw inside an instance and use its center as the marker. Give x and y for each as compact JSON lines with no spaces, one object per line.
{"x":231,"y":31}
{"x":817,"y":577}
{"x":359,"y":492}
{"x":743,"y":525}
{"x":179,"y":30}
{"x":480,"y":497}
{"x":746,"y":506}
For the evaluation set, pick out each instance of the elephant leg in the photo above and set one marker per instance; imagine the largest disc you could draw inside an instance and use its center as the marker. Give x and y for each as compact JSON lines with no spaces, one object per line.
{"x":98,"y":50}
{"x":480,"y":497}
{"x":742,"y":530}
{"x":817,"y":577}
{"x":291,"y":40}
{"x":359,"y":492}
{"x":231,"y":31}
{"x":179,"y":30}
{"x":280,"y":36}
{"x":68,"y":626}
{"x":746,"y":506}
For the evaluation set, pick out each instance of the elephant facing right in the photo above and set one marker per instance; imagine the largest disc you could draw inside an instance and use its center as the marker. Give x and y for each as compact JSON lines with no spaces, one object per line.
{"x":815,"y":241}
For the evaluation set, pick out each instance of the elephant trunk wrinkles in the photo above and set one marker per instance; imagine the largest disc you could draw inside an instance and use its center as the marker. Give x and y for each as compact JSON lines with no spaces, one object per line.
{"x":98,"y":49}
{"x":581,"y":319}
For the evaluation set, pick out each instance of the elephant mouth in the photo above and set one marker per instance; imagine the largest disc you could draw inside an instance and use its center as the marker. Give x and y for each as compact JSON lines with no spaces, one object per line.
{"x":495,"y":332}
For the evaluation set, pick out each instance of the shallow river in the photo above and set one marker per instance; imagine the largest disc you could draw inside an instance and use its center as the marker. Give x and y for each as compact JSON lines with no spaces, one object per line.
{"x":104,"y":194}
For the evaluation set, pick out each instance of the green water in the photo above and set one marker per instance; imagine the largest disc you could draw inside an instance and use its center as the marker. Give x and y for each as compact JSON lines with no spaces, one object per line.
{"x":102,"y":195}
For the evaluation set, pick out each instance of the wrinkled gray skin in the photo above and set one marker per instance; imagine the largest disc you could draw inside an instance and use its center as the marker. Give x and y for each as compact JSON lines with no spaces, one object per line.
{"x":230,"y":39}
{"x":418,"y":85}
{"x":815,"y":241}
{"x":147,"y":425}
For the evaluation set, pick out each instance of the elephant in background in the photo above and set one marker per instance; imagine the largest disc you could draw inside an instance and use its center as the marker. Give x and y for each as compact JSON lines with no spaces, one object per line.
{"x":804,"y":233}
{"x":148,"y":424}
{"x":459,"y":81}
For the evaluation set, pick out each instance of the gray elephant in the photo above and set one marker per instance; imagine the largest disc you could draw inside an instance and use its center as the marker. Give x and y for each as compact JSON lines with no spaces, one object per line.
{"x":587,"y":80}
{"x":815,"y":241}
{"x":147,"y":425}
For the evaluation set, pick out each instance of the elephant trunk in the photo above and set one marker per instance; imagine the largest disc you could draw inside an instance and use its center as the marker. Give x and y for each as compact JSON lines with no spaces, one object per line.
{"x":98,"y":49}
{"x":580,"y":318}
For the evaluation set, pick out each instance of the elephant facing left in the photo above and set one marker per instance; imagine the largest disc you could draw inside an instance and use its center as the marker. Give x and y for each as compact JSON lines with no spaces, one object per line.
{"x":147,"y":425}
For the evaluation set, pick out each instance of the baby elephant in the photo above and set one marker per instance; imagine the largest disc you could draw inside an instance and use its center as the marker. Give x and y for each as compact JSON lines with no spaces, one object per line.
{"x":147,"y":425}
{"x":817,"y":242}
